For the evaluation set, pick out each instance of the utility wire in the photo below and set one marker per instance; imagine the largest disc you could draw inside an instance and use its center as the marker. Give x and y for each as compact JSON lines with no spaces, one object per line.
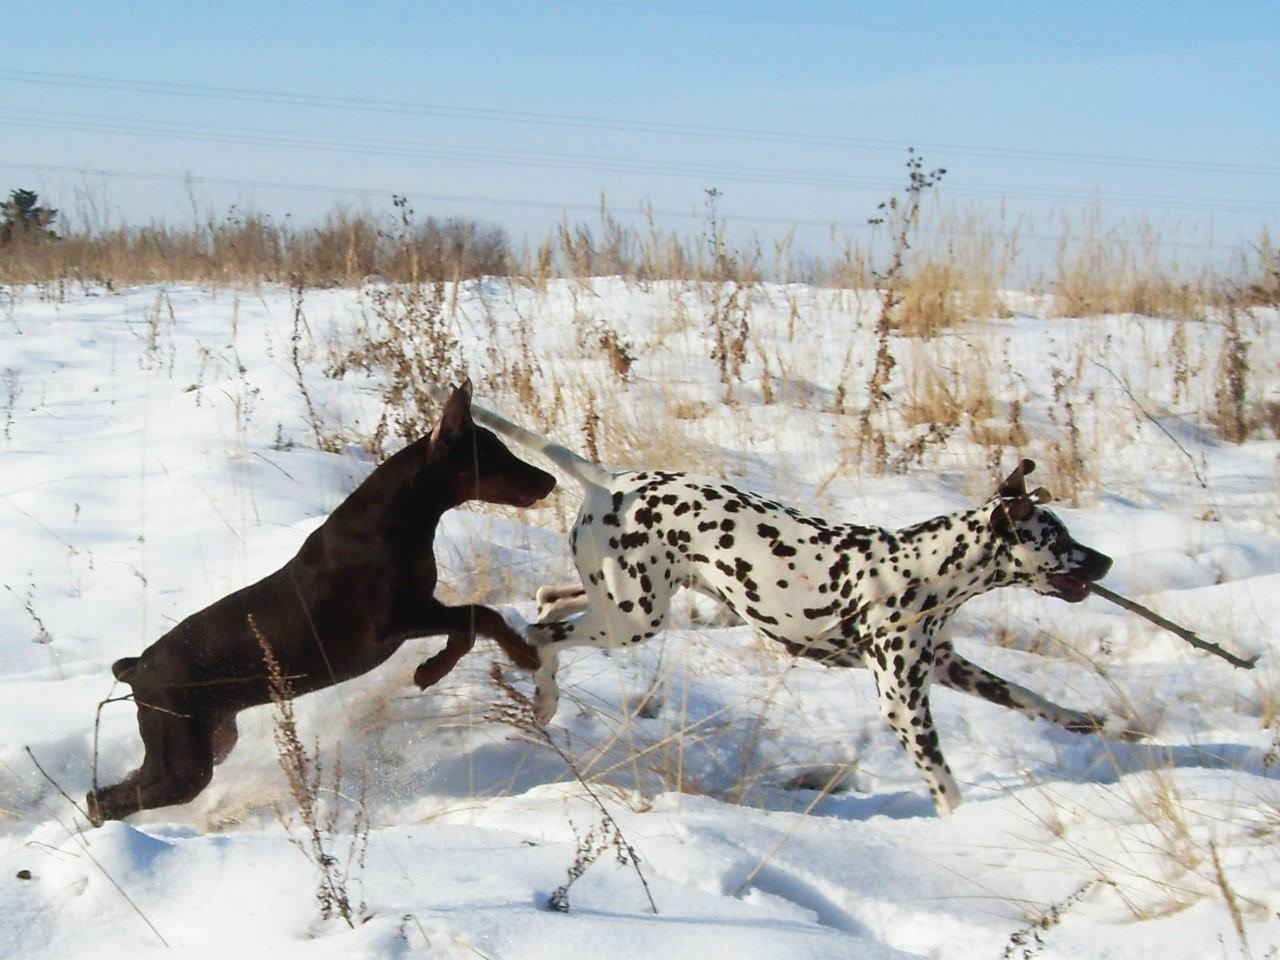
{"x":643,"y":210}
{"x":878,"y":26}
{"x":665,"y":128}
{"x":708,"y":173}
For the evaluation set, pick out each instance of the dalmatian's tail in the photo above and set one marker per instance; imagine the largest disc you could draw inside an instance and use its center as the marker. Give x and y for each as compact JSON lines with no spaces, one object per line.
{"x":580,"y":468}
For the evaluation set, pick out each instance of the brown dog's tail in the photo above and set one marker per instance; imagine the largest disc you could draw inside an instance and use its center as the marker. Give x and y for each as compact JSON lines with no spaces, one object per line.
{"x":123,"y":668}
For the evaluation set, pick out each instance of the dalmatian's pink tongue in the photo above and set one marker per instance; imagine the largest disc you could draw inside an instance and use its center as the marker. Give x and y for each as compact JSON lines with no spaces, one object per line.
{"x":1069,"y":588}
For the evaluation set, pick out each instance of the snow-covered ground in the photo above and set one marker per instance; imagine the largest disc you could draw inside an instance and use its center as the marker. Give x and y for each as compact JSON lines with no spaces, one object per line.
{"x":155,"y":454}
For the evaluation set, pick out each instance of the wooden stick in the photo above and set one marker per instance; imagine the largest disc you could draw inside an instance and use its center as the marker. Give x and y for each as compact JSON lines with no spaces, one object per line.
{"x":1245,"y":663}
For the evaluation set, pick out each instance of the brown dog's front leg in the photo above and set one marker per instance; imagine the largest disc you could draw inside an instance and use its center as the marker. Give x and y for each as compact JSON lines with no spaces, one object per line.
{"x":464,"y":624}
{"x":490,"y":624}
{"x":435,"y":669}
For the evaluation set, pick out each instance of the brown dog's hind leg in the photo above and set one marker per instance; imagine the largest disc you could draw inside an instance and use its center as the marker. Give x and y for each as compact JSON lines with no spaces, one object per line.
{"x":177,"y":765}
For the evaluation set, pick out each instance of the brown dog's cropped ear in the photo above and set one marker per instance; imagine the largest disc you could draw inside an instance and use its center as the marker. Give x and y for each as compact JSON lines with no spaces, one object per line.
{"x":1041,"y":495}
{"x":456,"y":415}
{"x":1015,"y":485}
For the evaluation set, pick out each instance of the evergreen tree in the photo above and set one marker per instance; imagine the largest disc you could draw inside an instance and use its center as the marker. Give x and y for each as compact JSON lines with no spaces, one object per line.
{"x":22,"y":216}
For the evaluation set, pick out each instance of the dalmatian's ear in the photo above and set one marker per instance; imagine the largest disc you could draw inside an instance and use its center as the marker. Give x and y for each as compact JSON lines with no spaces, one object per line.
{"x":1015,"y":485}
{"x":1041,"y":495}
{"x":1007,"y":512}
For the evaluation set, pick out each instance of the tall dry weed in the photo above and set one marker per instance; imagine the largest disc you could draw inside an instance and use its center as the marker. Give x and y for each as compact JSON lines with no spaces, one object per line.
{"x":318,"y":806}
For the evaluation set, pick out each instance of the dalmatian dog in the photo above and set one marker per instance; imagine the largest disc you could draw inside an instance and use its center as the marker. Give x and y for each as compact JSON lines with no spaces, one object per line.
{"x":843,"y":594}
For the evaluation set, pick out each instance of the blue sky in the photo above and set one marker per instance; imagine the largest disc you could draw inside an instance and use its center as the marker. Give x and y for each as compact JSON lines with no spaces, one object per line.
{"x":1169,"y":109}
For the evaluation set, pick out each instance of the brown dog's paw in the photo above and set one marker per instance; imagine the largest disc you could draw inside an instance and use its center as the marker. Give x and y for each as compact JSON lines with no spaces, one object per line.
{"x":432,"y":671}
{"x":93,"y":809}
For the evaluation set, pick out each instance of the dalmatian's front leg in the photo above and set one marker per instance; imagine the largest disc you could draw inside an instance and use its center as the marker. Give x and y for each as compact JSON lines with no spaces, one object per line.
{"x":902,"y":668}
{"x":592,"y":628}
{"x":953,"y":670}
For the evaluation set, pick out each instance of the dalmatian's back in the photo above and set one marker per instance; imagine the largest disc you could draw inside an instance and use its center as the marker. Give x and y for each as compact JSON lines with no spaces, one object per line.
{"x":798,"y":579}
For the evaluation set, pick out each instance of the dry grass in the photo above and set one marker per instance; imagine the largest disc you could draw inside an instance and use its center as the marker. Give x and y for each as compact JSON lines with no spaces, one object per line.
{"x":1102,"y":270}
{"x":318,"y":806}
{"x":1258,"y":282}
{"x":515,"y":710}
{"x":956,"y":388}
{"x":1162,"y":852}
{"x":958,"y":264}
{"x":407,"y":336}
{"x":913,"y":407}
{"x":245,"y":249}
{"x":12,"y":378}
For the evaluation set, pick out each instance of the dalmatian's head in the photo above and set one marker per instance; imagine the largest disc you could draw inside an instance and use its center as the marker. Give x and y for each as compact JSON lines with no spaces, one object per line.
{"x":1042,"y":554}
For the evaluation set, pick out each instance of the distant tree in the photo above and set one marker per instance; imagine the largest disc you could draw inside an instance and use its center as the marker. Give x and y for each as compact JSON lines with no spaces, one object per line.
{"x":22,"y":216}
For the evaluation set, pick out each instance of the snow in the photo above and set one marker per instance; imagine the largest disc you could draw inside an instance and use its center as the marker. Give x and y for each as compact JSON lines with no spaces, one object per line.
{"x":157,"y":455}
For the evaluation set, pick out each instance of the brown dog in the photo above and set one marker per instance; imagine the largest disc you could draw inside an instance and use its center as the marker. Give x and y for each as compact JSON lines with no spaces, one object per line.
{"x":361,"y":585}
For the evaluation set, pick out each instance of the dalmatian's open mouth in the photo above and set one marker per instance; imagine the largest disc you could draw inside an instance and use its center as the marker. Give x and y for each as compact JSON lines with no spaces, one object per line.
{"x":1069,"y":588}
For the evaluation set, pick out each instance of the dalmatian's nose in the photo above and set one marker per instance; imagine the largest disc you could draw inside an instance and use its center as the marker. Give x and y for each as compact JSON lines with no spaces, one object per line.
{"x":1095,"y":565}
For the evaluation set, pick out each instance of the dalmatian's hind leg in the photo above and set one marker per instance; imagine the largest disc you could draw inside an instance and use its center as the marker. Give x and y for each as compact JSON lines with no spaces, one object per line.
{"x":590,"y":628}
{"x":559,"y":601}
{"x":599,"y":625}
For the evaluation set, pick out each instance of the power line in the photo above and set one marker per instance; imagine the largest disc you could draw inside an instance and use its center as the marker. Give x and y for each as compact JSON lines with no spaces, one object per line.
{"x":665,"y":128}
{"x":879,"y":26}
{"x":645,"y":210}
{"x":707,"y":173}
